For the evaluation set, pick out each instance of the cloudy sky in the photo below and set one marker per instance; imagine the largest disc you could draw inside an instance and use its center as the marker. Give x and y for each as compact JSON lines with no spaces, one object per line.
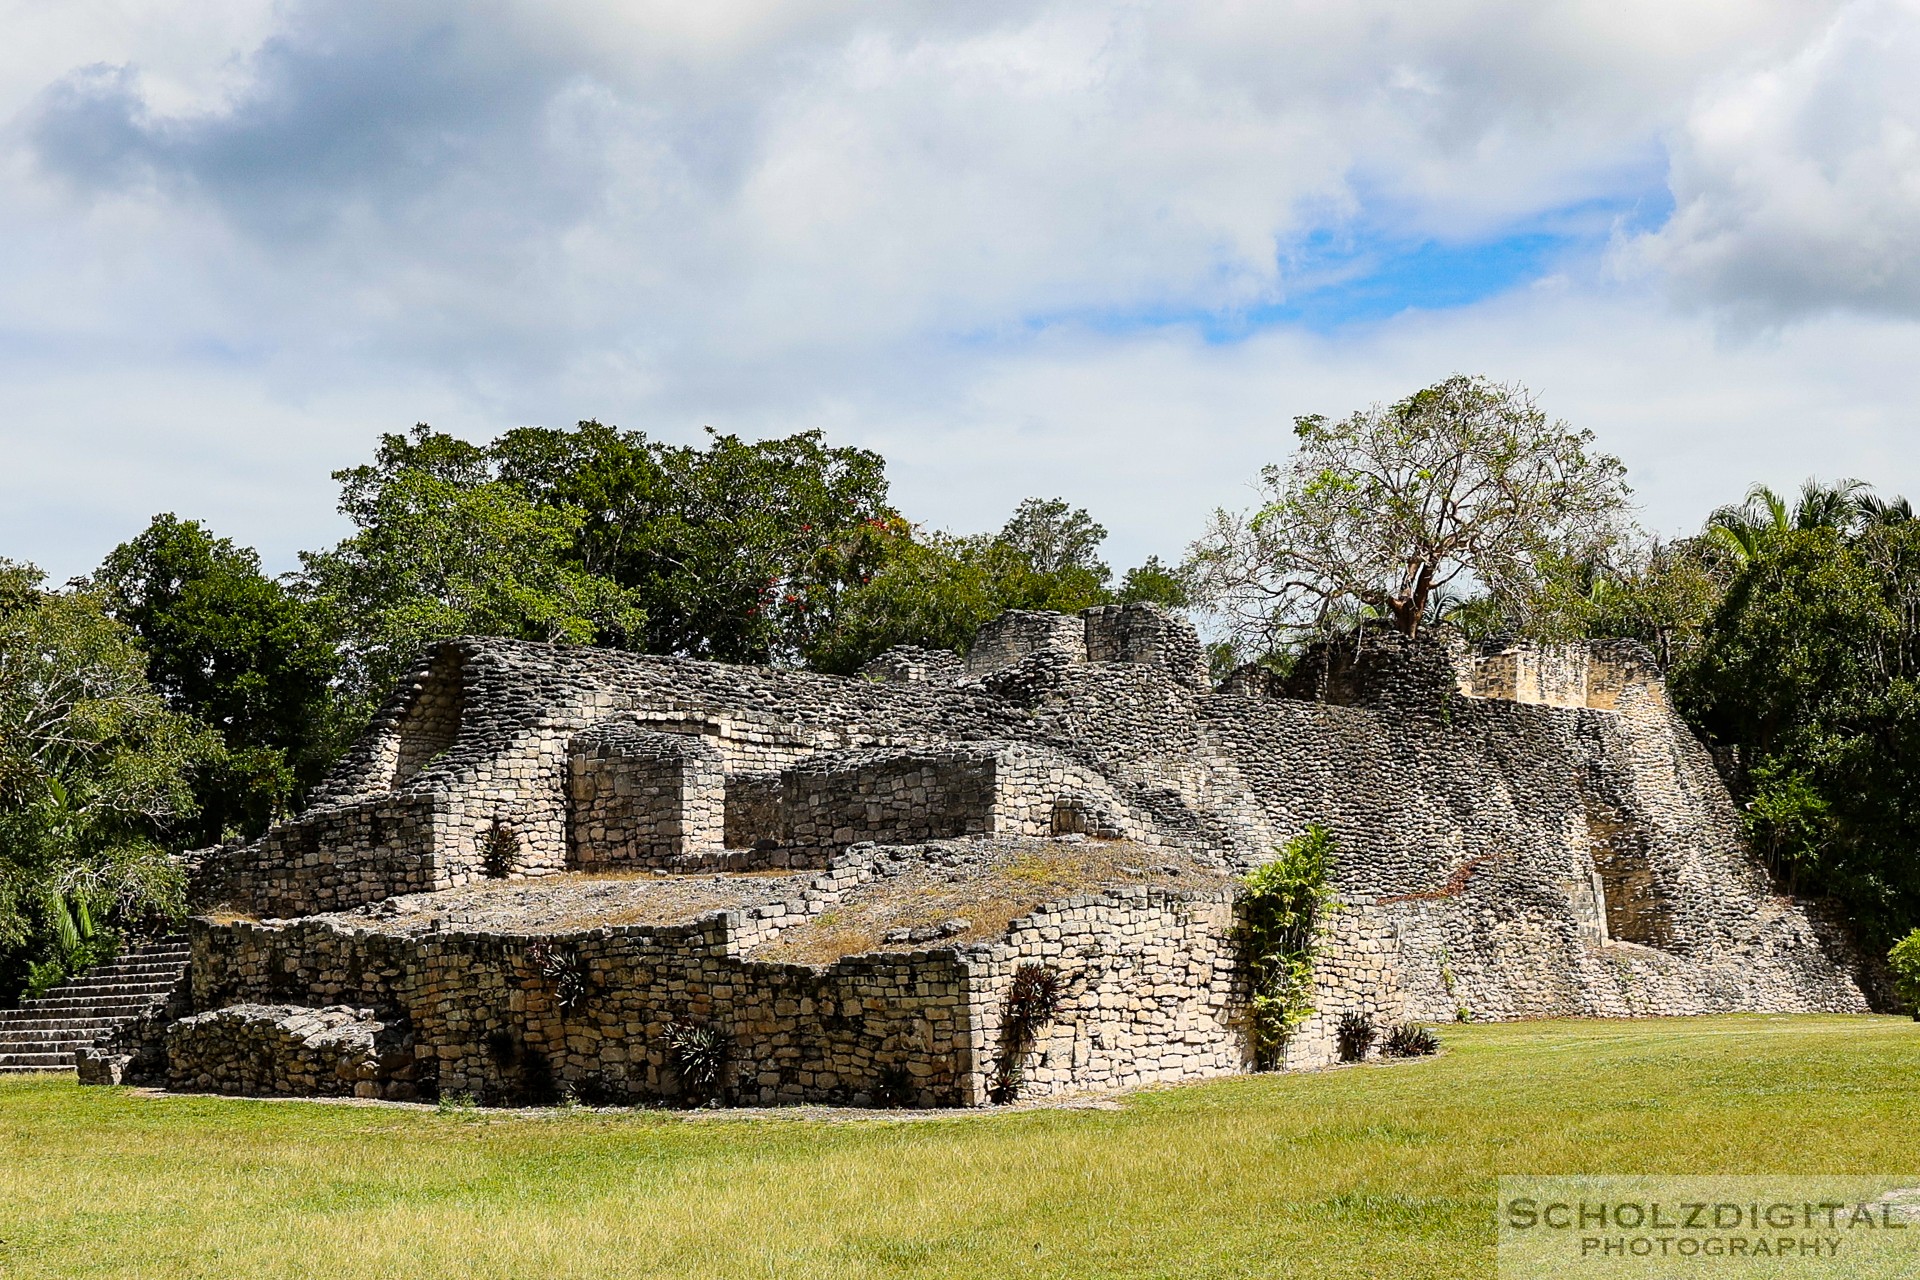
{"x":1103,"y":251}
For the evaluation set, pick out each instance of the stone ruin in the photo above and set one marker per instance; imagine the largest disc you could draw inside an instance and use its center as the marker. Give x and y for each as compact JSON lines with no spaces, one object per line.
{"x":544,"y":871}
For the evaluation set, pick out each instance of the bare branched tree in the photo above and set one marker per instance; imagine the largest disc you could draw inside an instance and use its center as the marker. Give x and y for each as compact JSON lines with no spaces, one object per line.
{"x":1463,"y":488}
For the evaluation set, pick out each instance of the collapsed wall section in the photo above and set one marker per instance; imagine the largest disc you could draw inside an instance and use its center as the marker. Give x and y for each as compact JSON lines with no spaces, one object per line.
{"x":1535,"y":860}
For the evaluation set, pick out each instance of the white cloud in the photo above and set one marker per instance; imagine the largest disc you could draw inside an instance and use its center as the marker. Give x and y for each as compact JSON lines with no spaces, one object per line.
{"x":1797,"y":186}
{"x":242,"y":238}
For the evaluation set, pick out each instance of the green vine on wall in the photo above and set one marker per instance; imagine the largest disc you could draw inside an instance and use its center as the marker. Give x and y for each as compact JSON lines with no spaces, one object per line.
{"x":1281,"y":906}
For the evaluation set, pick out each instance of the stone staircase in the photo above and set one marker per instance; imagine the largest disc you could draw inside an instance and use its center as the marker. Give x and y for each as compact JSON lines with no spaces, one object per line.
{"x":43,"y":1034}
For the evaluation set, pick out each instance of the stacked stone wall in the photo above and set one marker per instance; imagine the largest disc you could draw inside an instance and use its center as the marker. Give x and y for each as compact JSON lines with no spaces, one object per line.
{"x":1148,"y":992}
{"x":1520,"y":837}
{"x":1018,"y":634}
{"x":638,"y":798}
{"x":254,"y":1049}
{"x":490,"y":1014}
{"x":899,"y":797}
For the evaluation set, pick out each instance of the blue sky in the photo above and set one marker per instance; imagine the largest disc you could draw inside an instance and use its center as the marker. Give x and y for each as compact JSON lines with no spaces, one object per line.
{"x":1094,"y":250}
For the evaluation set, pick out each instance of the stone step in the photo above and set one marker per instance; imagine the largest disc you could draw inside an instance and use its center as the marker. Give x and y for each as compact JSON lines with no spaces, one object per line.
{"x":43,"y":1034}
{"x":46,"y":1026}
{"x":50,"y":1061}
{"x":25,"y":1019}
{"x":57,"y":1006}
{"x":155,"y":964}
{"x":112,"y":989}
{"x":86,"y":1029}
{"x":52,"y":1044}
{"x":157,"y":968}
{"x":108,"y":989}
{"x":34,"y":1026}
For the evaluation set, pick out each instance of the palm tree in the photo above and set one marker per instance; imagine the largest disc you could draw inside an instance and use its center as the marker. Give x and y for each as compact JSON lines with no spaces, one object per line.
{"x":1874,"y":510}
{"x":1744,"y":530}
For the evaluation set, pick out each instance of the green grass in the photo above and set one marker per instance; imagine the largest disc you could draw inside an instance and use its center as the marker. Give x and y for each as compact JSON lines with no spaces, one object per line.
{"x":1358,"y":1172}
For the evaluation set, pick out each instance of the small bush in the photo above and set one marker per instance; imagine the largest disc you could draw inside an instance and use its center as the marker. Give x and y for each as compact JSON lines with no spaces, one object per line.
{"x":1410,"y":1041}
{"x":699,"y":1054}
{"x":1904,"y":959}
{"x":561,"y":966}
{"x":499,"y":851}
{"x":1032,"y":1000}
{"x":1355,"y":1036}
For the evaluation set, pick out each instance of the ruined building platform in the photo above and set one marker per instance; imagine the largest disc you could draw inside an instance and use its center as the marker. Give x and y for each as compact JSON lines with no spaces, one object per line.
{"x":548,"y":870}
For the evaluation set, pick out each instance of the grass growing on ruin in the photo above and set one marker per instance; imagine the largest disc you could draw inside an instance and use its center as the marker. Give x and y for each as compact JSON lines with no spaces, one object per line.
{"x":1355,"y":1172}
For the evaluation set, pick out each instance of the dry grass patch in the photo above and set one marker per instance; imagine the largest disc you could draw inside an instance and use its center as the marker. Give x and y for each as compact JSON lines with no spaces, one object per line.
{"x":1014,"y":881}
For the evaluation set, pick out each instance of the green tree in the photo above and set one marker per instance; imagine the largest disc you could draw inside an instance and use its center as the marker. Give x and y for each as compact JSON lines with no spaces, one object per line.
{"x":1811,"y":670}
{"x":1154,"y":583}
{"x":1056,"y":538}
{"x":443,"y":547}
{"x":1465,"y":486}
{"x":741,"y":551}
{"x":241,"y":654}
{"x":935,"y":589}
{"x":95,"y":777}
{"x":1744,"y":530}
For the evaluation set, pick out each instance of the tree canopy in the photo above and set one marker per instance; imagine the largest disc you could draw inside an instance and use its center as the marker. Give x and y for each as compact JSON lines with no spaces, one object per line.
{"x":95,"y":769}
{"x":441,"y":547}
{"x":1810,"y":672}
{"x":934,"y":589}
{"x":1464,"y":486}
{"x":238,"y":652}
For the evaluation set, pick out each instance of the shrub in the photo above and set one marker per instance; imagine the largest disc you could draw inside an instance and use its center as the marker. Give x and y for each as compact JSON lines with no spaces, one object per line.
{"x":699,"y":1054}
{"x":1032,"y":1001}
{"x":1355,"y":1035}
{"x":499,"y":851}
{"x":1410,"y":1041}
{"x":1280,"y":909}
{"x":1004,"y":1086}
{"x":561,"y":966}
{"x":1905,"y":962}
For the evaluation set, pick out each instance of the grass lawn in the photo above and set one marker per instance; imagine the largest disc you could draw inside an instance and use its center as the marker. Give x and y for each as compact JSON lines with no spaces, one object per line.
{"x":1358,"y":1172}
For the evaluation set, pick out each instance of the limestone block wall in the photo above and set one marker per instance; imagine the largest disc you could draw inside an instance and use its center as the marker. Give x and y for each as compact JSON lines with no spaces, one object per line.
{"x":1539,"y":861}
{"x":1148,"y":993}
{"x":1356,"y":969}
{"x":911,"y":664}
{"x":1140,"y":731}
{"x":1571,"y":675}
{"x":339,"y":857}
{"x":638,"y":798}
{"x":886,"y":795}
{"x":1144,"y":634}
{"x":288,"y":1050}
{"x":488,"y":1015}
{"x":1550,"y":675}
{"x":1019,"y":633}
{"x":908,"y":796}
{"x":752,"y":810}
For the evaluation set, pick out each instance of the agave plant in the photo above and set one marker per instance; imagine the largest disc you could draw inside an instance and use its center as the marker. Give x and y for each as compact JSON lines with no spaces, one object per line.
{"x":1355,"y":1035}
{"x":699,"y":1054}
{"x":1410,"y":1041}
